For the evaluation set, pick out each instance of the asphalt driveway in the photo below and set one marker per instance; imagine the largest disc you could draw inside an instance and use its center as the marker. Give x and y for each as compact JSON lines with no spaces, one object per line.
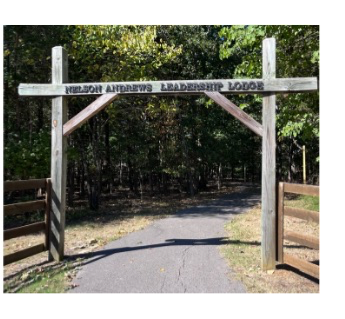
{"x":178,"y":254}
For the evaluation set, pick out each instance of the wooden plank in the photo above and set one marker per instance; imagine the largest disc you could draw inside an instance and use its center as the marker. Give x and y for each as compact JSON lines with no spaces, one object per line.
{"x":20,"y":208}
{"x":236,"y":112}
{"x":58,"y":157}
{"x":91,"y":110}
{"x":24,"y":230}
{"x":305,"y":240}
{"x":305,"y":266}
{"x":280,"y":226}
{"x":233,"y":86}
{"x":301,"y":189}
{"x":48,"y":211}
{"x":23,"y":254}
{"x":300,"y":213}
{"x":268,"y":216}
{"x":23,"y":185}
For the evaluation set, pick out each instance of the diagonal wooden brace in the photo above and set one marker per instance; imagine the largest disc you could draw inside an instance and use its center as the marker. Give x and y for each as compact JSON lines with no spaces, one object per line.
{"x":91,"y":110}
{"x":236,"y":112}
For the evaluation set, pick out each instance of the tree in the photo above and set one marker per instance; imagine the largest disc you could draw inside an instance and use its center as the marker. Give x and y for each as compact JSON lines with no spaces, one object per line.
{"x":298,"y":114}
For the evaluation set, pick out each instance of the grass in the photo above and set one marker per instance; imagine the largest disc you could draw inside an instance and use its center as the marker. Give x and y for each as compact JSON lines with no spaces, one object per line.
{"x":244,"y":252}
{"x":54,"y":278}
{"x":306,"y":202}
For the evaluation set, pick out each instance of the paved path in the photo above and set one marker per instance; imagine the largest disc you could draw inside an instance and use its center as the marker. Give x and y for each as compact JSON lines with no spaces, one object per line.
{"x":178,"y":254}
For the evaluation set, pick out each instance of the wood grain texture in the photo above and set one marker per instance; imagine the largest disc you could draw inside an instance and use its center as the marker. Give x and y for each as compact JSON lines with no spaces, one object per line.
{"x":91,"y":110}
{"x":19,"y":255}
{"x":305,"y":266}
{"x":305,"y":240}
{"x":25,"y":207}
{"x":24,"y":184}
{"x":301,"y":213}
{"x":235,"y":111}
{"x":311,"y":190}
{"x":24,"y":230}
{"x":268,"y":216}
{"x":280,"y":229}
{"x":284,"y":85}
{"x":58,"y":157}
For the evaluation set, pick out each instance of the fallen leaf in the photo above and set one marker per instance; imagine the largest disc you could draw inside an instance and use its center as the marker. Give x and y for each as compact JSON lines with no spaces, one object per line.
{"x":24,"y":276}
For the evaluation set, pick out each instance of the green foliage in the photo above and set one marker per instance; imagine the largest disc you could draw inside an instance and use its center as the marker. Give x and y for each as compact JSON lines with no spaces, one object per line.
{"x":297,"y":56}
{"x":152,"y":139}
{"x":28,"y":156}
{"x":119,"y":53}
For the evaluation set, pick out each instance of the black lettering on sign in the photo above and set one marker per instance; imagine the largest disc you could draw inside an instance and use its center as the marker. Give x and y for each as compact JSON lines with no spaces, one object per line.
{"x":219,"y":86}
{"x":165,"y":87}
{"x":238,"y":86}
{"x":245,"y":85}
{"x":252,"y":85}
{"x":231,"y":86}
{"x":260,"y":85}
{"x":142,"y":87}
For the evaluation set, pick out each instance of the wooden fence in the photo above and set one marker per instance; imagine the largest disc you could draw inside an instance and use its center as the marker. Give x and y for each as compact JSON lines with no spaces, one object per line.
{"x":302,"y":239}
{"x":30,"y":206}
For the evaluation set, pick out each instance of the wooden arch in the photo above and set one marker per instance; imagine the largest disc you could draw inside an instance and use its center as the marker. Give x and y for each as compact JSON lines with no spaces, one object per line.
{"x":268,"y":86}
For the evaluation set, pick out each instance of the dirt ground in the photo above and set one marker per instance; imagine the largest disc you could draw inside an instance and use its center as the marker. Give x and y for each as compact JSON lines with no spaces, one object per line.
{"x":244,"y":257}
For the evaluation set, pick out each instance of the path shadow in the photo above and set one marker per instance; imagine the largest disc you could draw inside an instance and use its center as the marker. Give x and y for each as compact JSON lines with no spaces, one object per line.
{"x":97,"y":255}
{"x":91,"y":257}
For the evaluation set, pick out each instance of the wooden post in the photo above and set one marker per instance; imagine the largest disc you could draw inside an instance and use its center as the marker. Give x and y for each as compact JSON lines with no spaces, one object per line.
{"x":58,"y":157}
{"x":268,"y":217}
{"x":304,"y":167}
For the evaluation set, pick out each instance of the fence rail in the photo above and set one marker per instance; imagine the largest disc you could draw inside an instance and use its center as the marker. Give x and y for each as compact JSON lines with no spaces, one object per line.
{"x":29,"y":206}
{"x":302,"y":239}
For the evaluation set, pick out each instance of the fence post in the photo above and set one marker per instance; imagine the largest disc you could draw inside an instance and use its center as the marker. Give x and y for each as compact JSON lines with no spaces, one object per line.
{"x":58,"y":157}
{"x":268,"y":185}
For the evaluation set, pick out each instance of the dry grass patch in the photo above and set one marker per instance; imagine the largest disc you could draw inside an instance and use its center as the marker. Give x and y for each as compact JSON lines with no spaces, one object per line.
{"x":244,"y":255}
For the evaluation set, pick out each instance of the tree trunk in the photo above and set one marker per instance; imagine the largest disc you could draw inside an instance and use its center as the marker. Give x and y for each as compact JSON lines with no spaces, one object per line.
{"x":219,"y":180}
{"x":141,"y":185}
